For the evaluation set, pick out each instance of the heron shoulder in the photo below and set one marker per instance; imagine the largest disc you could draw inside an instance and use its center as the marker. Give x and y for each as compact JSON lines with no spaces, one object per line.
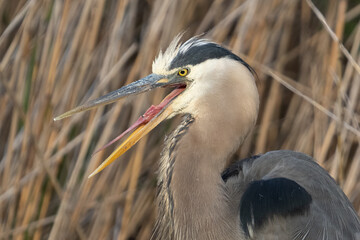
{"x":319,"y":205}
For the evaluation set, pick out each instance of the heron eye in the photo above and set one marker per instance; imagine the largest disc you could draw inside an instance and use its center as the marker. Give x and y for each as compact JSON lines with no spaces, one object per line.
{"x":183,"y":72}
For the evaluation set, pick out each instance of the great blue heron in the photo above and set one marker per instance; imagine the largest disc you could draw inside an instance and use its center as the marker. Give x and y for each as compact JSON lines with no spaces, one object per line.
{"x":278,"y":195}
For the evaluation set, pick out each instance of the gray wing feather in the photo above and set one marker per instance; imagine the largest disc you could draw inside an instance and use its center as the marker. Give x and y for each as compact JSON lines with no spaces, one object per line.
{"x":331,"y":215}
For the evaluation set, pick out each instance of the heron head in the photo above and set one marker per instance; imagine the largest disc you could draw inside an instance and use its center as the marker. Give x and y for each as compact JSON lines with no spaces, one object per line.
{"x":193,"y":69}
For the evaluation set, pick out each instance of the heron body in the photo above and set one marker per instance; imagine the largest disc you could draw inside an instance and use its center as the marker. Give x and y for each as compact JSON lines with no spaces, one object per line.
{"x":278,"y":195}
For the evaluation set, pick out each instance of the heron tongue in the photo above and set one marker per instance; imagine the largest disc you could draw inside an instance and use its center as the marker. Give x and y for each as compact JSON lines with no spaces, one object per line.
{"x":141,"y":129}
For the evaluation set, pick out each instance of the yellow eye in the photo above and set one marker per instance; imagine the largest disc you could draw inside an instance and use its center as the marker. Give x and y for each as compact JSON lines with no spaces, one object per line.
{"x":183,"y":72}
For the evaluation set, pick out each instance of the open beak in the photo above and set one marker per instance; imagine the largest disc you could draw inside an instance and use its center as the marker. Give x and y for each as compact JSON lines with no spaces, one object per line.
{"x":148,"y":121}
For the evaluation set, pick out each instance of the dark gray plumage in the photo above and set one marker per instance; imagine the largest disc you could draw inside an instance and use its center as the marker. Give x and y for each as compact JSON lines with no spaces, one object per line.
{"x":330,"y":214}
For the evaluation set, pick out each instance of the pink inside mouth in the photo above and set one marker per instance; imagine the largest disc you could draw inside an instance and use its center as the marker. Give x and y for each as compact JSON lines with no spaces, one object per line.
{"x":147,"y":116}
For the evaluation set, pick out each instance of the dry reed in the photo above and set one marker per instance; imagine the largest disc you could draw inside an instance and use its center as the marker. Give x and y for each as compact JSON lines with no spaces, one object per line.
{"x":57,"y":54}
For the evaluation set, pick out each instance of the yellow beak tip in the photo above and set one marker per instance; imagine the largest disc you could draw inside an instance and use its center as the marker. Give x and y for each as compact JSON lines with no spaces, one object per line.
{"x":91,"y":175}
{"x":94,"y":173}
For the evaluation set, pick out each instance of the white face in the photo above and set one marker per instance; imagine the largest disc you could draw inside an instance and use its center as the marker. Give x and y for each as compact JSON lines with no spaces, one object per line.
{"x":211,"y":80}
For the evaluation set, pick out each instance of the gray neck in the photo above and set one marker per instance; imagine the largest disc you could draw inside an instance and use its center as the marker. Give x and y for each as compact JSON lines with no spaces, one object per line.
{"x":192,"y":196}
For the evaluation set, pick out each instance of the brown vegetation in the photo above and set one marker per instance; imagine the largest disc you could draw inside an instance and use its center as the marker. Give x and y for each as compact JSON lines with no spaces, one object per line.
{"x":57,"y":54}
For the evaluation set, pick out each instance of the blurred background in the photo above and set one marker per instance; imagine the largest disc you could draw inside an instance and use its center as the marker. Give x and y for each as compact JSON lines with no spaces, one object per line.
{"x":55,"y":55}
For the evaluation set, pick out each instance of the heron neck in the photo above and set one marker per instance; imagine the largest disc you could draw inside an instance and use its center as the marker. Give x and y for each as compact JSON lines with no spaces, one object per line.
{"x":197,"y":186}
{"x":192,"y":195}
